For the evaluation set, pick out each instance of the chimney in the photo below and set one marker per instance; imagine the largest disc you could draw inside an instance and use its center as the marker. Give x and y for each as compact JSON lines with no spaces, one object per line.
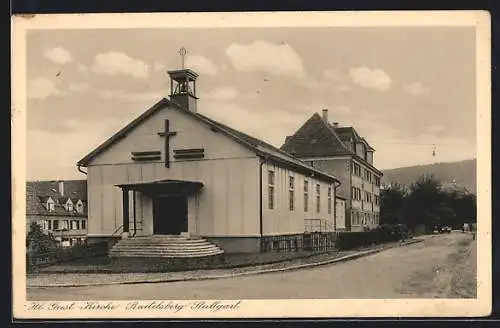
{"x":335,"y":124}
{"x":61,"y":187}
{"x":325,"y":115}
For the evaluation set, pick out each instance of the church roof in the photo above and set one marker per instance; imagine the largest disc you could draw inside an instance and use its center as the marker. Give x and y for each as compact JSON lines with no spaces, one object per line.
{"x":260,"y":147}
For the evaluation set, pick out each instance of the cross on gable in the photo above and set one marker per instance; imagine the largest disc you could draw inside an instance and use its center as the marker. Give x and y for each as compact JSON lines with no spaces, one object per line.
{"x":167,"y":134}
{"x":183,"y":52}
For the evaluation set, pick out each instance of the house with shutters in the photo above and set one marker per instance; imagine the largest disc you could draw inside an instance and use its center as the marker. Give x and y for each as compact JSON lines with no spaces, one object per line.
{"x":60,"y":208}
{"x":174,"y":176}
{"x":342,"y":152}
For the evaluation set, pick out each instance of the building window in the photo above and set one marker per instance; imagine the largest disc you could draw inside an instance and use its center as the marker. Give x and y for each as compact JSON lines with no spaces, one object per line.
{"x":306,"y":195}
{"x":49,"y":224}
{"x":377,"y":181}
{"x":318,"y":198}
{"x":291,"y":193}
{"x":70,"y":206}
{"x":84,"y":224}
{"x":356,"y":168}
{"x":56,"y":224}
{"x":329,"y":200}
{"x":79,"y":207}
{"x":356,"y":193}
{"x":51,"y":206}
{"x":270,"y":189}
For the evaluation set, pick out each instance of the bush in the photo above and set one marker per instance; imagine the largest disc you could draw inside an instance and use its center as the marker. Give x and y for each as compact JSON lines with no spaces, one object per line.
{"x":382,"y":234}
{"x":36,"y":260}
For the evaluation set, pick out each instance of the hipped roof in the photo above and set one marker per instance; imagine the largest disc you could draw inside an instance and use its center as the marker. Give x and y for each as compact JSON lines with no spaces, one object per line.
{"x":318,"y":138}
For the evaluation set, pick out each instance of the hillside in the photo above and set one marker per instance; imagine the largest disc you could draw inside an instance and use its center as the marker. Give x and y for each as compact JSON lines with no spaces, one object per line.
{"x":463,"y":172}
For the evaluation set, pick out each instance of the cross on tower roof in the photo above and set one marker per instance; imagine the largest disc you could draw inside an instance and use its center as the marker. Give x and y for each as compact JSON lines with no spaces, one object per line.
{"x":183,"y":53}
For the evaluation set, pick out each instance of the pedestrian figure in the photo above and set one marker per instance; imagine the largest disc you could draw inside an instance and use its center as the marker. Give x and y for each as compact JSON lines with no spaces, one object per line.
{"x":463,"y":227}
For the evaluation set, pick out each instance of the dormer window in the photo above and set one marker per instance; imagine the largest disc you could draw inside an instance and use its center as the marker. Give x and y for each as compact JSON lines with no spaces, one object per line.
{"x":79,"y":207}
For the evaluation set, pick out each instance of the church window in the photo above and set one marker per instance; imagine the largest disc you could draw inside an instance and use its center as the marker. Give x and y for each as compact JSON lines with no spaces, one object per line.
{"x":306,"y":195}
{"x":291,"y":193}
{"x":318,"y":198}
{"x":329,"y":200}
{"x":270,"y":189}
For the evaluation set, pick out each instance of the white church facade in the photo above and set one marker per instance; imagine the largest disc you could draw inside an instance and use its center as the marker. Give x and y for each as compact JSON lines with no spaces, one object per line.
{"x":174,"y":171}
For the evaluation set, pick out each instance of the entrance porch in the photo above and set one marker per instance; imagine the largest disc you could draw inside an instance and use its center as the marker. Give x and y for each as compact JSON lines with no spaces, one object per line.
{"x":167,"y":207}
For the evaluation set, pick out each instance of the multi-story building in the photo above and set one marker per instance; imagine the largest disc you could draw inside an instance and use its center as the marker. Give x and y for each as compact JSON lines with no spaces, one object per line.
{"x":342,"y":152}
{"x":60,"y":208}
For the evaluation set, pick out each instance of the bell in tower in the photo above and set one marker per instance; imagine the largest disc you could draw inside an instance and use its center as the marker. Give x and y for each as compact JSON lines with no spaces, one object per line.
{"x":183,"y":85}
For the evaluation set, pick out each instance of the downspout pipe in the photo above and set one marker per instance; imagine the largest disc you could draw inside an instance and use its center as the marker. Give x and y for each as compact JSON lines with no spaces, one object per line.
{"x":134,"y":211}
{"x":261,"y":229}
{"x":335,"y":186}
{"x":80,"y":170}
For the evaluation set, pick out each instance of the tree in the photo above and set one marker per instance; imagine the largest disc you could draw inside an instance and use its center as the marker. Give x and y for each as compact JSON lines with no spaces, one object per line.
{"x":392,"y":200}
{"x":425,"y":204}
{"x":37,"y":242}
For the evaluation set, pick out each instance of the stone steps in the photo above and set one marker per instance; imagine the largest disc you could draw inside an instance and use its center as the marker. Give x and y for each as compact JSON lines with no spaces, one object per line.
{"x":164,"y":247}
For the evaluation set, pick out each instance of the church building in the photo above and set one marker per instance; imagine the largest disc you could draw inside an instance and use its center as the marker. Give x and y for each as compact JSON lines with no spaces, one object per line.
{"x":175,"y":172}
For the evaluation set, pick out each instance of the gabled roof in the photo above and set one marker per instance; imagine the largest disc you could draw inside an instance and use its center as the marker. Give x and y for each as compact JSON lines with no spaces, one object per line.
{"x":38,"y":192}
{"x":258,"y":146}
{"x":64,"y":200}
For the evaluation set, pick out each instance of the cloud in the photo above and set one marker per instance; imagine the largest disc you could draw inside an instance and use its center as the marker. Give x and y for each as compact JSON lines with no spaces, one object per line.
{"x":152,"y":96}
{"x":58,"y":55}
{"x":201,"y":64}
{"x":265,"y":57}
{"x":158,"y":66}
{"x":416,"y":89}
{"x":221,"y":93}
{"x":118,"y":63}
{"x":375,"y":79}
{"x":41,"y":88}
{"x":79,"y":87}
{"x":82,"y":68}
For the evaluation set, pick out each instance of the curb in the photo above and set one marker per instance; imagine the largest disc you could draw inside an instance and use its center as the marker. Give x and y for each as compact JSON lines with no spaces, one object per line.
{"x":234,"y":275}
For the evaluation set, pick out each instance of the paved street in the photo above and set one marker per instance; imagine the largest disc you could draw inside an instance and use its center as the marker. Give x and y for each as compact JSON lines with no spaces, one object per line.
{"x":441,"y":266}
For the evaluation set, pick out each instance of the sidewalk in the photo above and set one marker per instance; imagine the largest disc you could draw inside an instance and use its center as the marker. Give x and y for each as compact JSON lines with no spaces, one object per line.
{"x":43,"y":280}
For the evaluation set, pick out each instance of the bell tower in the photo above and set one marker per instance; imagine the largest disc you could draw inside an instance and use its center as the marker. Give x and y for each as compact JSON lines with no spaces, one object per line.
{"x":183,"y":85}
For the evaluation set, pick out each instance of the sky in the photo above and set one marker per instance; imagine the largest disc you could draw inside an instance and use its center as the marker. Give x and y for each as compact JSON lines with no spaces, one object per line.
{"x":410,"y":91}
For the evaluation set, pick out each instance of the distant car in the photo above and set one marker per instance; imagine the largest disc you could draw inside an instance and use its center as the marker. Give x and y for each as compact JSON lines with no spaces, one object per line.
{"x":445,"y":229}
